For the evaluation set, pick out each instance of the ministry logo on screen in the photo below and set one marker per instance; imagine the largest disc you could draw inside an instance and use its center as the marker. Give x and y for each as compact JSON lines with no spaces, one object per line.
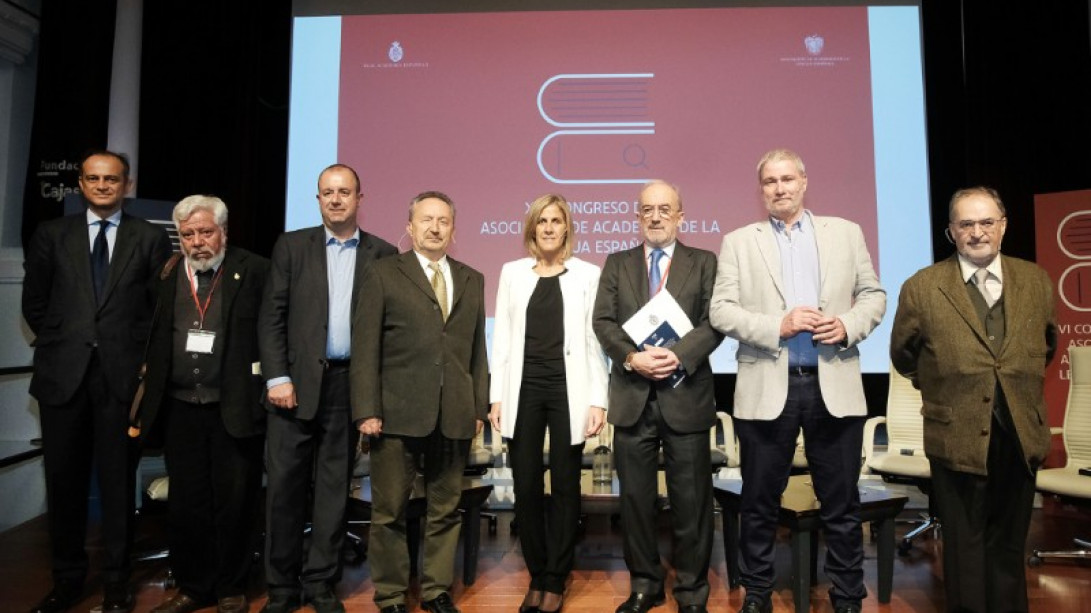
{"x":815,"y":45}
{"x":395,"y":58}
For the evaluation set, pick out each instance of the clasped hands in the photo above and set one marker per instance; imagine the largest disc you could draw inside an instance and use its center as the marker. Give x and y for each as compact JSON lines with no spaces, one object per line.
{"x":823,"y":328}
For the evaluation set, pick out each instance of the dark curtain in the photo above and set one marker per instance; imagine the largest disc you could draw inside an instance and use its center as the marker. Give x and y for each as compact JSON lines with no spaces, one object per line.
{"x":214,"y":110}
{"x":71,"y":107}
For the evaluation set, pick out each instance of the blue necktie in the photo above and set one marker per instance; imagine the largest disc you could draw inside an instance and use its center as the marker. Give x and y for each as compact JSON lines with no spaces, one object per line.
{"x":654,"y":276}
{"x":100,"y":260}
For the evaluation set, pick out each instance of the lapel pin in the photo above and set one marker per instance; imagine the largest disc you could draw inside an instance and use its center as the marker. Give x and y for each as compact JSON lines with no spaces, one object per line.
{"x":237,"y":277}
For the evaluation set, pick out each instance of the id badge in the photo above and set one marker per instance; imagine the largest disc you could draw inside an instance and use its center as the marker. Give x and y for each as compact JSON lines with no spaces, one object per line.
{"x":200,"y":341}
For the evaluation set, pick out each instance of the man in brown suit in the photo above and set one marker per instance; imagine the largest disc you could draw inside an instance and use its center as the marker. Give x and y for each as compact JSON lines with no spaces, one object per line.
{"x":420,"y":390}
{"x":975,"y":332}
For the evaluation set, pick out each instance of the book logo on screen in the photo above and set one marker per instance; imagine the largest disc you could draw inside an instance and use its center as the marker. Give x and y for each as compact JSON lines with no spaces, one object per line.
{"x":814,"y":44}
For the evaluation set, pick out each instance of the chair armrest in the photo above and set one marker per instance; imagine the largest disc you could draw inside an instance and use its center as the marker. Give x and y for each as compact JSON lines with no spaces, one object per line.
{"x":731,"y":442}
{"x":869,"y":438}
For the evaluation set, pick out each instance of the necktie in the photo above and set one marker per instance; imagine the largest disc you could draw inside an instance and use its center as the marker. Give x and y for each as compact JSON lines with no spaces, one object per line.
{"x":439,"y":286}
{"x":655,"y":277}
{"x":100,"y":261}
{"x":204,"y":281}
{"x":979,"y":280}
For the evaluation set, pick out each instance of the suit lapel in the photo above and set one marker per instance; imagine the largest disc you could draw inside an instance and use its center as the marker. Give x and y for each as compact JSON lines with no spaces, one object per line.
{"x":78,"y":246}
{"x":461,"y":278}
{"x":681,"y":267}
{"x":124,"y":247}
{"x":1013,"y":302}
{"x":824,"y":244}
{"x":411,"y":268}
{"x":637,"y":275}
{"x":320,"y":273}
{"x":233,"y":276}
{"x":954,"y":289}
{"x":766,"y":243}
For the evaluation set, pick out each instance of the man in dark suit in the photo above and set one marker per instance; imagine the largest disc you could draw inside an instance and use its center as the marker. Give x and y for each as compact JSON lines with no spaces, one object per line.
{"x":305,"y":340}
{"x":975,"y":333}
{"x":88,"y":298}
{"x":650,"y":408}
{"x":420,"y":390}
{"x":202,"y":399}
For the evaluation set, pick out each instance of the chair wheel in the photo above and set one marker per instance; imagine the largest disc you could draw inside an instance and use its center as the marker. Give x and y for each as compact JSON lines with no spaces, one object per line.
{"x":904,"y":547}
{"x":1034,"y":561}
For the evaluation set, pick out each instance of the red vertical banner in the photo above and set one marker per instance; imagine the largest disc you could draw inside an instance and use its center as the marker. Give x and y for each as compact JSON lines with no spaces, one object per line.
{"x":1063,"y":237}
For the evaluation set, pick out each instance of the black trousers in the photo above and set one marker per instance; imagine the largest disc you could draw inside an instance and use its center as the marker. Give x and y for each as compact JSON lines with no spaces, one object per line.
{"x":689,"y":490}
{"x":833,"y":454}
{"x":985,"y":524}
{"x":309,"y":464}
{"x":548,"y":542}
{"x":90,"y":430}
{"x":215,"y":483}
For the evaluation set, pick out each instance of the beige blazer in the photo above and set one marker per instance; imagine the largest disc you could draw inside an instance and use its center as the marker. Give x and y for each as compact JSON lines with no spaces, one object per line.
{"x":748,"y":305}
{"x":939,"y":343}
{"x":584,"y":361}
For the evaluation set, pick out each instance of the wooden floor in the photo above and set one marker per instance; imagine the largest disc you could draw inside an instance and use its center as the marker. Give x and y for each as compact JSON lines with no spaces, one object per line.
{"x":599,"y":583}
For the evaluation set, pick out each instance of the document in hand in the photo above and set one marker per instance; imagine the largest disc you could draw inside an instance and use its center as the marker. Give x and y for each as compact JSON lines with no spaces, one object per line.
{"x":661,"y":322}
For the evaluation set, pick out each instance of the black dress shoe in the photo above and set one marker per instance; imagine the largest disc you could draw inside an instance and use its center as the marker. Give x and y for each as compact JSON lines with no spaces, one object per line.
{"x":282,"y":602}
{"x":117,"y":598}
{"x":326,"y":602}
{"x":440,"y":604}
{"x":640,"y":602}
{"x":847,"y":607}
{"x":179,"y":603}
{"x":753,"y":605}
{"x":693,"y":608}
{"x":63,"y":595}
{"x":560,"y":605}
{"x":394,"y":608}
{"x":233,"y":604}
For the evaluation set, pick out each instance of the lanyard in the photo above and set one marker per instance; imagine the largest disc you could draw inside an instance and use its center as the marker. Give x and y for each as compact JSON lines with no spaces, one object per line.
{"x":202,"y":309}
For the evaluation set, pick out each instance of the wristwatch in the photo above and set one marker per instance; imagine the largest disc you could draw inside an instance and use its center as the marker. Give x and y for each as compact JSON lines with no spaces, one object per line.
{"x":628,"y":365}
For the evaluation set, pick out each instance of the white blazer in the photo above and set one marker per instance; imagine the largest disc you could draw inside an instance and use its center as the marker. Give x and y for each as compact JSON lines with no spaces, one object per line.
{"x":584,"y":360}
{"x":748,"y":305}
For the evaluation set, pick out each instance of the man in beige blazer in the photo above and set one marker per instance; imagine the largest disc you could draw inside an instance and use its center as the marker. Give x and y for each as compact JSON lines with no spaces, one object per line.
{"x":975,"y":332}
{"x":420,"y":390}
{"x":799,"y":293}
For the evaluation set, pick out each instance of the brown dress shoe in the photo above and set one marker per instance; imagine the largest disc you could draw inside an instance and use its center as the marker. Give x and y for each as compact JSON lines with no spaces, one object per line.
{"x":179,"y":603}
{"x":233,"y":604}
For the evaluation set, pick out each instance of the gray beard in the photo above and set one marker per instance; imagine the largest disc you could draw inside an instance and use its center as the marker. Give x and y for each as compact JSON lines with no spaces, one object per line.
{"x":209,"y":264}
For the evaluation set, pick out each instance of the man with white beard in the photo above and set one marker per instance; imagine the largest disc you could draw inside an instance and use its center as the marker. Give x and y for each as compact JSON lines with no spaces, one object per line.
{"x":202,"y":405}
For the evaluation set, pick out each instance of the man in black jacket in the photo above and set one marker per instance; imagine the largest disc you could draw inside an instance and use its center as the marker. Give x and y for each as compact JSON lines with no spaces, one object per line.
{"x":203,"y":397}
{"x":87,"y":297}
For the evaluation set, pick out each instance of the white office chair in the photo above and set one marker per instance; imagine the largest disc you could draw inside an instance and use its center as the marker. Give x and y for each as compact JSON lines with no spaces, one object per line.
{"x":904,"y":460}
{"x":1067,"y":483}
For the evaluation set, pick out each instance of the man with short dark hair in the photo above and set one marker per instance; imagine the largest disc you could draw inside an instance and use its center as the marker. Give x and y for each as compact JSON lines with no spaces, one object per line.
{"x":420,"y":390}
{"x":202,"y":399}
{"x":306,"y":347}
{"x":88,"y":298}
{"x":975,"y":333}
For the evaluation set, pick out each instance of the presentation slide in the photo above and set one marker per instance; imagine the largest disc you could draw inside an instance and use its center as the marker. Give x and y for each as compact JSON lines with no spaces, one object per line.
{"x":496,"y":109}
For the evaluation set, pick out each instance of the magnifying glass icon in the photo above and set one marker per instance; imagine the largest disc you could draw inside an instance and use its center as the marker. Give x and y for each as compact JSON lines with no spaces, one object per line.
{"x":634,"y":155}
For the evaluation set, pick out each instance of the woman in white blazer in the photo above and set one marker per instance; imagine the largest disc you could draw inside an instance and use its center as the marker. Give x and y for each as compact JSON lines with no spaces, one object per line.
{"x":548,"y":371}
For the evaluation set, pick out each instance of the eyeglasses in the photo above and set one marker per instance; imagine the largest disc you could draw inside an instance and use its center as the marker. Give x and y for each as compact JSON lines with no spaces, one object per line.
{"x":665,"y":210}
{"x":967,"y":225}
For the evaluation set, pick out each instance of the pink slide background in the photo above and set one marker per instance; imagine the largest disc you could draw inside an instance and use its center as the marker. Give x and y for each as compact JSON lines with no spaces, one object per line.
{"x":459,"y":113}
